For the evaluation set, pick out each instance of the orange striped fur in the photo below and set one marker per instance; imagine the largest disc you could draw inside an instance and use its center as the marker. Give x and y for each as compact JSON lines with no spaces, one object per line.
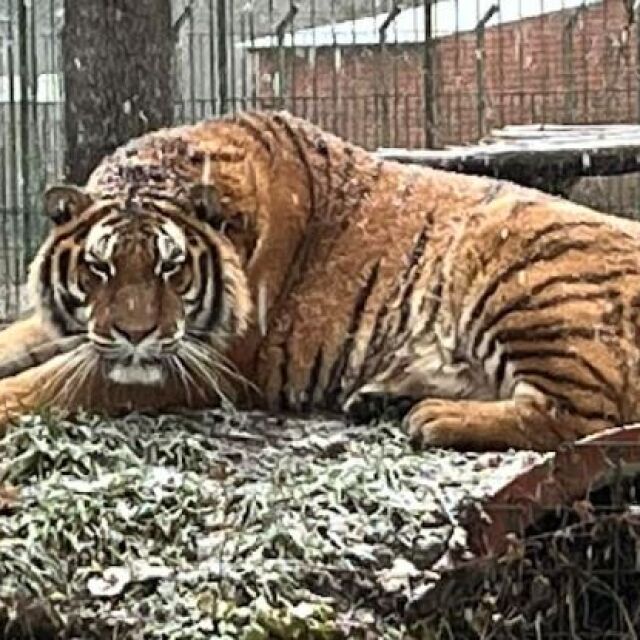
{"x":328,"y":280}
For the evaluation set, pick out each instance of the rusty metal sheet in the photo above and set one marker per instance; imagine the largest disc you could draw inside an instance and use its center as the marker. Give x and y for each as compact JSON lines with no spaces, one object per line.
{"x":557,"y":481}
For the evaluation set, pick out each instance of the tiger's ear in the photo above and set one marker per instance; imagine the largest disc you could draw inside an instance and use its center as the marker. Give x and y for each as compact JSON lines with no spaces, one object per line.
{"x":63,"y":202}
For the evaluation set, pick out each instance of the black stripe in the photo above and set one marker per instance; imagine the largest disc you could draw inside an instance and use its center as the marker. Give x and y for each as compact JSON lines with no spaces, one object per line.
{"x":201,"y":279}
{"x":565,"y":379}
{"x":284,"y":404}
{"x":297,"y":265}
{"x":408,"y":279}
{"x":412,"y":274}
{"x":82,"y":234}
{"x":542,"y":354}
{"x":379,"y":351}
{"x":246,"y":122}
{"x":152,"y":201}
{"x":314,"y":378}
{"x":378,"y":338}
{"x":69,"y":303}
{"x":341,"y":361}
{"x":302,"y":155}
{"x":561,"y":226}
{"x":216,"y":305}
{"x":181,"y":291}
{"x":549,"y":251}
{"x":535,"y":333}
{"x":209,"y":269}
{"x":83,"y":224}
{"x":64,"y":259}
{"x":522,"y":301}
{"x":45,"y":271}
{"x":266,"y":120}
{"x":533,"y":306}
{"x":566,"y":404}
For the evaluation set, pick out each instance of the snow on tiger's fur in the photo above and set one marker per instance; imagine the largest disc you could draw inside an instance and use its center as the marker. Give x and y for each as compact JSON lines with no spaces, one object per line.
{"x":259,"y":260}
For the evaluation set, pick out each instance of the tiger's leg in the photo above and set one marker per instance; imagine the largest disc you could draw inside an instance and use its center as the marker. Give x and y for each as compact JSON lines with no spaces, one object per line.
{"x":29,"y":342}
{"x":35,"y":388}
{"x":74,"y":380}
{"x":528,"y":420}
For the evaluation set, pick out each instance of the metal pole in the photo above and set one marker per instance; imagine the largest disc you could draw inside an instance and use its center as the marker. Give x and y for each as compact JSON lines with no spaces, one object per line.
{"x":232,"y":58}
{"x":293,"y":8}
{"x":13,"y":154}
{"x":567,"y":65}
{"x":281,"y":29}
{"x":428,"y":79}
{"x":212,"y":57}
{"x":244,"y":69}
{"x":481,"y":105}
{"x":39,"y":168}
{"x":382,"y":91}
{"x":255,"y":60}
{"x":311,"y":56}
{"x":638,"y":61}
{"x":24,"y":134}
{"x":192,"y":66}
{"x":222,"y":56}
{"x":4,"y":178}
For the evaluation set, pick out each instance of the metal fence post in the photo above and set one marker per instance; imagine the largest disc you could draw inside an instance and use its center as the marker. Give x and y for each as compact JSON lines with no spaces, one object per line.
{"x":23,"y":65}
{"x":222,"y":57}
{"x":428,"y":67}
{"x":567,"y":65}
{"x":383,"y":92}
{"x":480,"y":85}
{"x":637,"y":20}
{"x":281,"y":30}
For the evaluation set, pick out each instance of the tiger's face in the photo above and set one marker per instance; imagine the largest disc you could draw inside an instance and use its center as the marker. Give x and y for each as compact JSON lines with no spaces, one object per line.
{"x":154,"y":291}
{"x":137,"y":276}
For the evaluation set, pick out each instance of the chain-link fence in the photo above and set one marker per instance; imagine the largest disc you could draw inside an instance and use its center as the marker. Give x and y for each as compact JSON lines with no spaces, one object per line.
{"x":379,"y":72}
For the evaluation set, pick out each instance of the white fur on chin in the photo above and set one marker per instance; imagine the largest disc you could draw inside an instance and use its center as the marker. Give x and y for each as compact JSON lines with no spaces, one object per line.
{"x":147,"y":374}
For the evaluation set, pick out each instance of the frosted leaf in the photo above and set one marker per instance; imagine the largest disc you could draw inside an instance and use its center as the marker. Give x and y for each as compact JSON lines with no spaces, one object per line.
{"x":112,"y":582}
{"x":398,"y":575}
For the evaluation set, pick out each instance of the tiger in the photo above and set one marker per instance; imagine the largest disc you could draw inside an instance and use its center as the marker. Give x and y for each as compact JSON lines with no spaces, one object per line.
{"x":255,"y":261}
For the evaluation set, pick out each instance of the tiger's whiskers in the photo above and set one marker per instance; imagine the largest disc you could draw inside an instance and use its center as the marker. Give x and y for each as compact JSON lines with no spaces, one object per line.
{"x":201,"y":362}
{"x":212,"y":356}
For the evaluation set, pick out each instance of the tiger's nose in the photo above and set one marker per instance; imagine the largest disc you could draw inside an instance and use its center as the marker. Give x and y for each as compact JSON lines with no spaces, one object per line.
{"x":133,"y":335}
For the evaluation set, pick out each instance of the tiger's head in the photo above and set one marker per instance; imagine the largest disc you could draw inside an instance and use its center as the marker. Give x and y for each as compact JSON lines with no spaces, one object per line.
{"x":153,"y":286}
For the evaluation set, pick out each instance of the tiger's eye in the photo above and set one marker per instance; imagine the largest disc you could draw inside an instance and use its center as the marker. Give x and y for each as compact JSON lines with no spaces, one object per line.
{"x":98,"y":267}
{"x":169,"y":267}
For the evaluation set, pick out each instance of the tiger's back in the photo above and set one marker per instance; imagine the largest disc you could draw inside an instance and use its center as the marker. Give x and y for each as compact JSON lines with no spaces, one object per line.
{"x":503,"y":316}
{"x":463,"y":289}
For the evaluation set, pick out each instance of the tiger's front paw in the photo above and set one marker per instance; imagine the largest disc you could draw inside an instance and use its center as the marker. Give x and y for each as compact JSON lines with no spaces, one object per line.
{"x":366,"y":406}
{"x":439,"y":423}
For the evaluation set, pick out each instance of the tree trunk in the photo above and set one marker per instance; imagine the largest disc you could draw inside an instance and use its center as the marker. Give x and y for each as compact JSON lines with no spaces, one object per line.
{"x":117,"y":74}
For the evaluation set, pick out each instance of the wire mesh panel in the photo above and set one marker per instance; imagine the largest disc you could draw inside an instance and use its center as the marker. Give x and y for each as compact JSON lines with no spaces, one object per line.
{"x":381,"y":73}
{"x":418,"y":72}
{"x":30,"y":134}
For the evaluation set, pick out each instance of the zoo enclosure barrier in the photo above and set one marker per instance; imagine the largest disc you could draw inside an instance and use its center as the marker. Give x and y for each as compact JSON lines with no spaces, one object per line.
{"x":384,"y":73}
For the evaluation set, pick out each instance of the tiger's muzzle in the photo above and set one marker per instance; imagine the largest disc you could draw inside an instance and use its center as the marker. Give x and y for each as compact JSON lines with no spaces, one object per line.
{"x":136,"y":331}
{"x":137,"y":357}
